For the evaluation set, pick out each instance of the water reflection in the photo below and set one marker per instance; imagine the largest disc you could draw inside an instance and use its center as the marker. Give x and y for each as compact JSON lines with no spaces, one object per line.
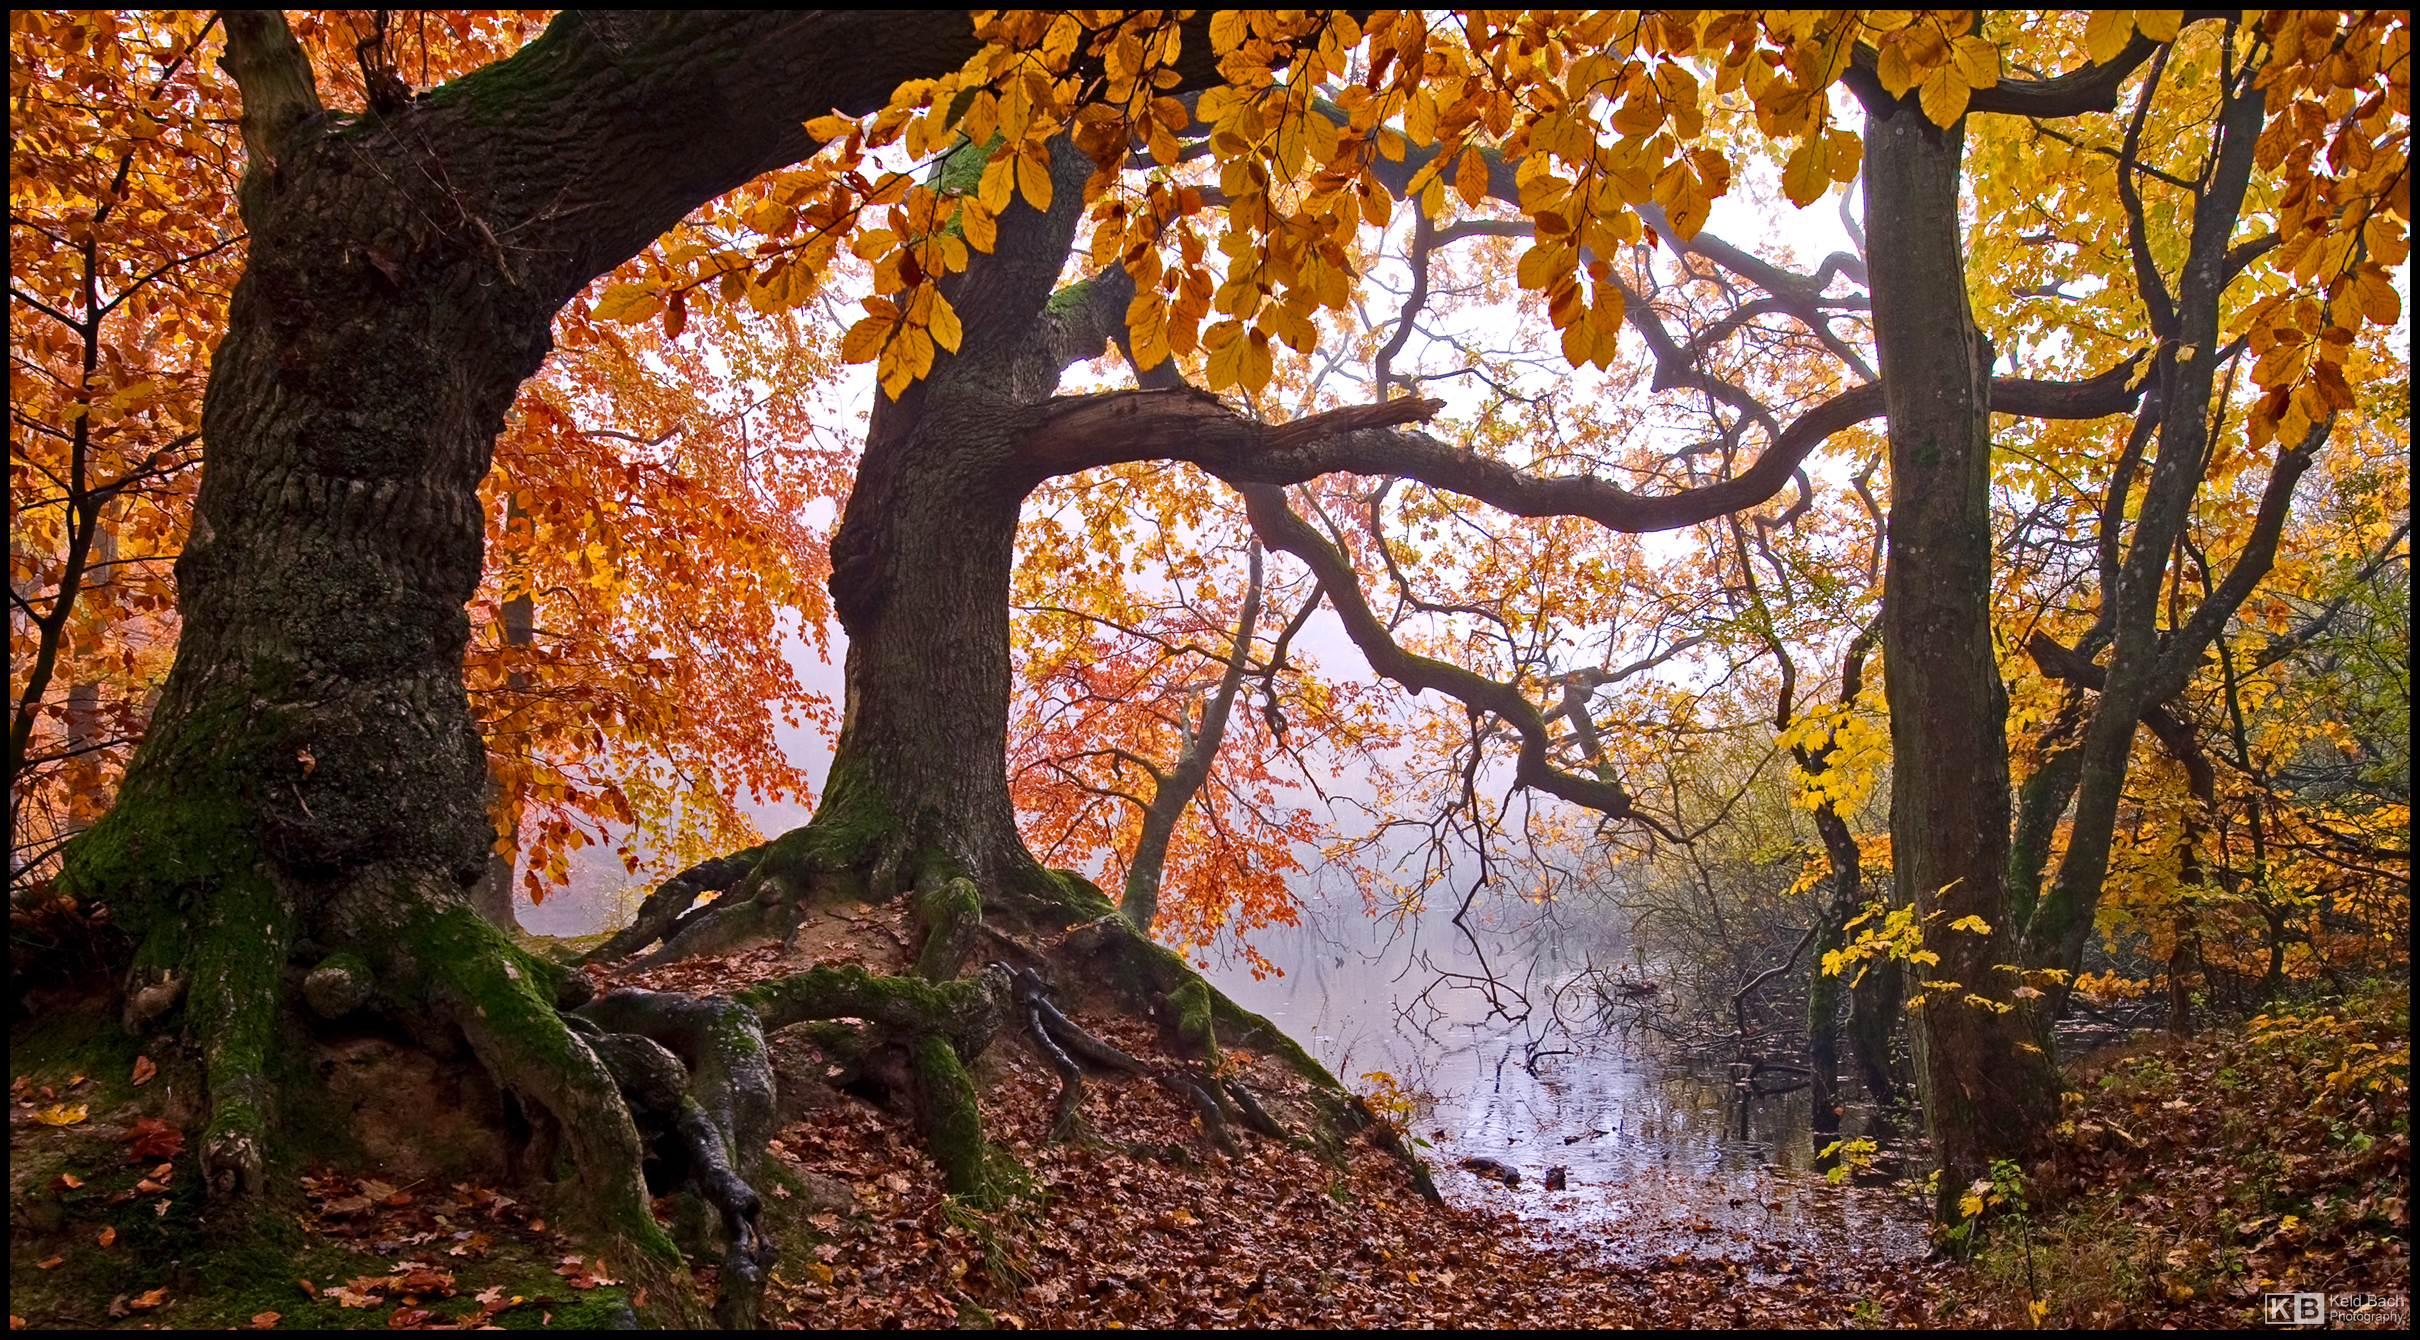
{"x":1516,"y":1066}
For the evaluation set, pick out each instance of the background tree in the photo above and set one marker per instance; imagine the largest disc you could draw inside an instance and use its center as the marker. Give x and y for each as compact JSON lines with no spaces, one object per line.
{"x":121,"y":251}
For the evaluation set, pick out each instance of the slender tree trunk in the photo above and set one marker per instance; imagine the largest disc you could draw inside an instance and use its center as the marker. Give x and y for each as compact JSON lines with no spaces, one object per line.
{"x":1841,"y":853}
{"x":2146,"y":666}
{"x":1876,"y":1002}
{"x":1988,"y":1091}
{"x":1141,"y":897}
{"x":492,"y":895}
{"x":1824,"y":988}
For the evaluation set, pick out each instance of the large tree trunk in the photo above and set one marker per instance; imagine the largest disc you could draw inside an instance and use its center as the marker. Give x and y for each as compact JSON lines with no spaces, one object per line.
{"x":1987,"y":1090}
{"x":918,"y":792}
{"x":312,"y":790}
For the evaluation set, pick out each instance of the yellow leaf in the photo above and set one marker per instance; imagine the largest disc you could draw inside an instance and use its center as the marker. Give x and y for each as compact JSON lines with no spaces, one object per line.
{"x":2106,"y":32}
{"x":63,"y":1114}
{"x":1977,"y":61}
{"x":1639,"y":114}
{"x":2380,"y":304}
{"x":628,"y":303}
{"x":1470,"y":177}
{"x":1541,"y":263}
{"x":1805,"y":175}
{"x":1147,"y":324}
{"x":2160,"y":25}
{"x":1893,"y":69}
{"x":1420,"y":117}
{"x":864,"y":340}
{"x":1943,"y":96}
{"x":999,"y":182}
{"x":1257,"y":367}
{"x":1847,"y":150}
{"x":873,"y":242}
{"x":1225,"y":345}
{"x":1033,"y":175}
{"x":980,"y":224}
{"x":770,"y":216}
{"x":825,"y":129}
{"x":1227,"y":31}
{"x":1579,"y":343}
{"x":1687,"y":208}
{"x":944,"y":323}
{"x":1291,"y":326}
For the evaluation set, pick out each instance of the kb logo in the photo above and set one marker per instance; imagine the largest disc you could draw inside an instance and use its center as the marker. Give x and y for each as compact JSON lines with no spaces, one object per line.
{"x":2294,"y":1309}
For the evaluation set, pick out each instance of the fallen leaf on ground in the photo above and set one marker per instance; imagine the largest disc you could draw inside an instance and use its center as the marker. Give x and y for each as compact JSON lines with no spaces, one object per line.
{"x":153,"y":1139}
{"x":63,"y":1114}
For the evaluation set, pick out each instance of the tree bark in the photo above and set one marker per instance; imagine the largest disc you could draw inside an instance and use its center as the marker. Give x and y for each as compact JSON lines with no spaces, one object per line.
{"x":1987,"y":1090}
{"x":2144,"y":667}
{"x":312,"y":782}
{"x":1841,"y":853}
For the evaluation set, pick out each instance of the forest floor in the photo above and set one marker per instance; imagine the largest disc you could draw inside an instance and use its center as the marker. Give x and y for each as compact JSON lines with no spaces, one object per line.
{"x":2189,"y":1176}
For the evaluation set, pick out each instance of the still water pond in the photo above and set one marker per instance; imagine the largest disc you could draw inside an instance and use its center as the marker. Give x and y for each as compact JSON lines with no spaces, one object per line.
{"x":1661,"y":1160}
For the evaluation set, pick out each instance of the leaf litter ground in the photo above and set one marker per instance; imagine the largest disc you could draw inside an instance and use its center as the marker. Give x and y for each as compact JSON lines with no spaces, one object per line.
{"x":2189,"y":1176}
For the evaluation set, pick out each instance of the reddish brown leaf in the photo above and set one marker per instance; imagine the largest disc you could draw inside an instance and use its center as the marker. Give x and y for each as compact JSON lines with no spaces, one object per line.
{"x":152,"y":1140}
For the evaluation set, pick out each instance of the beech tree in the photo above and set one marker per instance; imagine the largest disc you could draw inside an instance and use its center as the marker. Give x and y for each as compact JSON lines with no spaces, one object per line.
{"x":313,"y":790}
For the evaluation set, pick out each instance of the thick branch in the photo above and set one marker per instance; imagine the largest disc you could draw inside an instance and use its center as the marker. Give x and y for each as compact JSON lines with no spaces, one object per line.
{"x":2094,"y":88}
{"x":2176,"y":735}
{"x":1280,"y":528}
{"x":274,"y":76}
{"x":1075,"y":433}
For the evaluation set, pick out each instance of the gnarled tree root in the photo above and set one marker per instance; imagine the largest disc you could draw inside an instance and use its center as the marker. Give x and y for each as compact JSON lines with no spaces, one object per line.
{"x":232,"y":1012}
{"x":696,"y":1067}
{"x":450,"y":975}
{"x":667,"y":912}
{"x":940,"y":1026}
{"x":1110,"y":952}
{"x":1215,"y":1100}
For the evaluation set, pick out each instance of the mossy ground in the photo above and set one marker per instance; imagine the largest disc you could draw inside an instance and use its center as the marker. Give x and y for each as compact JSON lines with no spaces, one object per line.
{"x":101,"y":1236}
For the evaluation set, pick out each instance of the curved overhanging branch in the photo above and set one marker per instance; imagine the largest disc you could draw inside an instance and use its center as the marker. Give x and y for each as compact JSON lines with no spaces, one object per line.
{"x":1073,"y":433}
{"x":2092,"y":88}
{"x":1279,"y":528}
